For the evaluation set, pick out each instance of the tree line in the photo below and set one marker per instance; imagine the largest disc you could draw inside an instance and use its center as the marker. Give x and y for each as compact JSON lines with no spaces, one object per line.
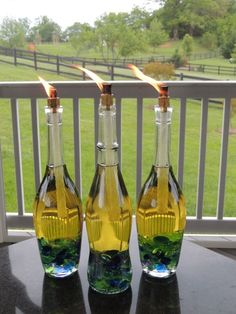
{"x":124,"y":34}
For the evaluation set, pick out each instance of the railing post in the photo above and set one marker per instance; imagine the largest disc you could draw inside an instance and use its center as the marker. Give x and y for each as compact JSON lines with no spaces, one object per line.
{"x":3,"y":227}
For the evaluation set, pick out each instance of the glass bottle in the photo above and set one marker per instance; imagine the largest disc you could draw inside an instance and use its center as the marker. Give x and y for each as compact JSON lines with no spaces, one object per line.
{"x":57,"y":206}
{"x":108,"y":210}
{"x":161,"y":212}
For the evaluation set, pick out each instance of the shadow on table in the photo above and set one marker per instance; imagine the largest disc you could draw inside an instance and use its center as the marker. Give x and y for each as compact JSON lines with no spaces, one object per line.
{"x":13,"y":293}
{"x":159,"y":296}
{"x":110,"y":304}
{"x":62,"y":295}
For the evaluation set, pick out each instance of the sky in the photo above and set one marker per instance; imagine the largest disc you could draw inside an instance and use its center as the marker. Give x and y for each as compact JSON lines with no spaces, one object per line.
{"x":67,"y":12}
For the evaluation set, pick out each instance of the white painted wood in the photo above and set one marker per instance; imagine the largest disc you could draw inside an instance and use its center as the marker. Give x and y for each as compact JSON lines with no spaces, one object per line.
{"x":3,"y":226}
{"x":17,"y":155}
{"x":202,"y":157}
{"x":223,"y":159}
{"x":77,"y":145}
{"x":182,"y":124}
{"x":36,"y":143}
{"x":139,"y":146}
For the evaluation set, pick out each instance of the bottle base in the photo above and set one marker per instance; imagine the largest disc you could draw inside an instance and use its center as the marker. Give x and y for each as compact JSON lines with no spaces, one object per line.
{"x":161,"y":273}
{"x":60,"y":271}
{"x":109,"y":272}
{"x":110,"y":291}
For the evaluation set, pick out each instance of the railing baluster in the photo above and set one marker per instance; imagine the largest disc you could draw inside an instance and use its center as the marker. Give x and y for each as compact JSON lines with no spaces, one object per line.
{"x":36,"y":143}
{"x":77,"y":144}
{"x":3,"y":226}
{"x":139,"y":145}
{"x":118,"y":126}
{"x":223,"y":159}
{"x":182,"y":124}
{"x":202,"y":158}
{"x":17,"y":154}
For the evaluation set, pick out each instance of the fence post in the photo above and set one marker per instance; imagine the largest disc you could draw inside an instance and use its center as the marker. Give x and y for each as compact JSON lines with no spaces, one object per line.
{"x":35,"y":60}
{"x":84,"y":65}
{"x":112,"y":72}
{"x":15,"y":57}
{"x":58,"y":66}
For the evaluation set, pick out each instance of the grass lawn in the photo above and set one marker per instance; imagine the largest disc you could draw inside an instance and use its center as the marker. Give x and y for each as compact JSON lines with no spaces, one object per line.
{"x":167,"y":49}
{"x":10,"y":73}
{"x":215,"y":61}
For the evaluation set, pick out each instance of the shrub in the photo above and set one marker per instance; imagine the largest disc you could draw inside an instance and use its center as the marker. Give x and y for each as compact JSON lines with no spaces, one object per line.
{"x":159,"y":71}
{"x":187,"y":45}
{"x":209,"y":40}
{"x":178,"y":59}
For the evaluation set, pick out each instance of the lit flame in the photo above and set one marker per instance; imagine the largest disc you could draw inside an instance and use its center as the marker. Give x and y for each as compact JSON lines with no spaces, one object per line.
{"x":50,"y":90}
{"x":93,"y":76}
{"x":157,"y":85}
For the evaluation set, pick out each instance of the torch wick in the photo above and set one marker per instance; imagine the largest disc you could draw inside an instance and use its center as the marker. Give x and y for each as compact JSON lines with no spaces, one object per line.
{"x":164,"y":98}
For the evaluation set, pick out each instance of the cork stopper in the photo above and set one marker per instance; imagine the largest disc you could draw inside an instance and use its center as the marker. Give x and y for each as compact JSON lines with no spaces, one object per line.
{"x":53,"y":100}
{"x":106,"y":96}
{"x":163,"y":98}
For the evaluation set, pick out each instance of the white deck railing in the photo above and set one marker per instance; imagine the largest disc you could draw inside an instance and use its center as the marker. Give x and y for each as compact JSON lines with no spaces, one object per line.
{"x":136,"y":90}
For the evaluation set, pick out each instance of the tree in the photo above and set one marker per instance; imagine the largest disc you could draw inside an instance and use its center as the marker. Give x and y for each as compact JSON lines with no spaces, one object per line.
{"x":170,"y":14}
{"x":13,"y":32}
{"x":46,"y":28}
{"x":139,"y":19}
{"x":187,"y":45}
{"x":115,"y":38}
{"x":81,"y":36}
{"x":156,"y":34}
{"x":190,"y":16}
{"x":226,"y":35}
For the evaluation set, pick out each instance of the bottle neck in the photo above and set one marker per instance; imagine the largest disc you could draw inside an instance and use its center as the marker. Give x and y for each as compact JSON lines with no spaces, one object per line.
{"x":55,"y":145}
{"x":107,"y":138}
{"x":163,"y":123}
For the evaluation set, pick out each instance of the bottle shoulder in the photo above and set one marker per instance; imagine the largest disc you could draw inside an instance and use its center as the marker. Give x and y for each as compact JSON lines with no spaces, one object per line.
{"x":57,"y":178}
{"x":154,"y":179}
{"x":108,"y":186}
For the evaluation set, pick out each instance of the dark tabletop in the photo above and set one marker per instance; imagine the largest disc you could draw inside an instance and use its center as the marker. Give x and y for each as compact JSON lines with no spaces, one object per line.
{"x":205,"y":283}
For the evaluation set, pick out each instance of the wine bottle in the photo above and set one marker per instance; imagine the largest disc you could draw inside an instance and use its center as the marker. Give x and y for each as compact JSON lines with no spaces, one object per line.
{"x":108,"y":210}
{"x":161,"y":212}
{"x":57,"y":207}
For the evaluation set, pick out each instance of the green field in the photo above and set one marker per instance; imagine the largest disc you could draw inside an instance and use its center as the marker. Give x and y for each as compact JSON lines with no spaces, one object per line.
{"x":65,"y":49}
{"x":11,"y":73}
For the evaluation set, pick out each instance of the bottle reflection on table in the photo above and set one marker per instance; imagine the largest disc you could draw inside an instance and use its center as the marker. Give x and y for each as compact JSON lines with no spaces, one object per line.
{"x":158,"y":296}
{"x":63,"y":295}
{"x":110,"y":304}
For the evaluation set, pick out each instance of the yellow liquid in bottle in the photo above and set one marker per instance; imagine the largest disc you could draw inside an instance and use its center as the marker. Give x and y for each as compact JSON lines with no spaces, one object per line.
{"x":58,"y":223}
{"x":108,"y":222}
{"x":161,"y":216}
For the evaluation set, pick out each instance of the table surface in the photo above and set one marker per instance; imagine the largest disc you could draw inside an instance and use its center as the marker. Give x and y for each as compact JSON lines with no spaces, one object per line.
{"x":205,"y":283}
